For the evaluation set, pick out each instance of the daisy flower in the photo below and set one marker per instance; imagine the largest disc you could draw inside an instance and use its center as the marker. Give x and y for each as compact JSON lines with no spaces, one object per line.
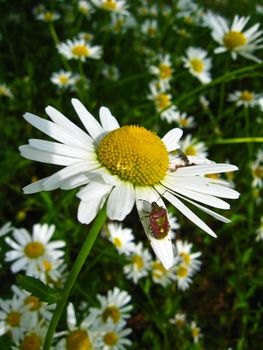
{"x":79,"y":49}
{"x":150,"y":28}
{"x":185,"y":256}
{"x":123,"y":166}
{"x":119,"y":6}
{"x":183,"y":276}
{"x":33,"y":337}
{"x":184,"y":121}
{"x":244,"y":98}
{"x":110,"y":72}
{"x":196,"y":334}
{"x":85,"y":8}
{"x":64,"y":79}
{"x":30,"y":251}
{"x":174,"y":225}
{"x":5,"y":229}
{"x":259,"y":231}
{"x":113,"y":337}
{"x":234,"y":38}
{"x":163,"y":70}
{"x":160,"y":275}
{"x":86,"y":36}
{"x":122,"y":238}
{"x":5,"y":91}
{"x":139,"y":263}
{"x":161,"y":99}
{"x":47,"y":16}
{"x":192,"y":147}
{"x":115,"y":307}
{"x":77,"y":337}
{"x":198,"y":64}
{"x":179,"y":319}
{"x":257,"y":170}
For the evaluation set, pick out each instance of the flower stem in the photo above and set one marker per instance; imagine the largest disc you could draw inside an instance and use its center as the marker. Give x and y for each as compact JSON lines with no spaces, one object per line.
{"x":84,"y":252}
{"x":238,"y":140}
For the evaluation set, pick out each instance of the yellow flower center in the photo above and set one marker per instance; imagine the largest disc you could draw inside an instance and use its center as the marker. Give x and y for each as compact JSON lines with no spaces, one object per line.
{"x":182,"y":271}
{"x":63,"y":79}
{"x":183,"y":122}
{"x":195,"y":332}
{"x":34,"y":250}
{"x":197,"y":65}
{"x":78,"y":340}
{"x":151,"y":31}
{"x":13,"y":319}
{"x":48,"y":16}
{"x":117,"y":242}
{"x":31,"y":342}
{"x":246,"y":96}
{"x":83,"y":9}
{"x":158,"y":269}
{"x":134,"y":154}
{"x":162,"y":101}
{"x":185,"y":257}
{"x":33,"y":302}
{"x":110,"y":338}
{"x":109,"y":5}
{"x":80,"y":51}
{"x":258,"y":172}
{"x":213,"y":176}
{"x":111,"y":312}
{"x":190,"y":151}
{"x":2,"y":91}
{"x":47,"y":265}
{"x":234,"y":39}
{"x":165,"y":71}
{"x":138,"y":261}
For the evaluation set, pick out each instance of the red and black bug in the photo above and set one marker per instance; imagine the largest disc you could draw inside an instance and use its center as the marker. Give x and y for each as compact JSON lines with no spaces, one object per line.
{"x":159,"y":223}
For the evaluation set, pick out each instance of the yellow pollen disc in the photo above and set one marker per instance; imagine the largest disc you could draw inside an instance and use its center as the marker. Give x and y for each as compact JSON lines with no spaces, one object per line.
{"x":33,"y":302}
{"x":197,"y":65}
{"x":84,"y":10}
{"x":183,"y":122}
{"x":80,"y":51}
{"x":180,"y":323}
{"x":186,"y":258}
{"x":63,"y":79}
{"x":138,"y":261}
{"x":151,"y":31}
{"x":117,"y":242}
{"x":2,"y":91}
{"x":158,"y":269}
{"x":111,"y":312}
{"x":258,"y":172}
{"x":34,"y":250}
{"x":190,"y":151}
{"x":109,"y":5}
{"x":246,"y":96}
{"x":182,"y":271}
{"x":13,"y":319}
{"x":165,"y":71}
{"x":188,"y":19}
{"x":134,"y":154}
{"x":234,"y":39}
{"x":31,"y":342}
{"x":162,"y":101}
{"x":195,"y":332}
{"x":110,"y":338}
{"x":78,"y":340}
{"x":47,"y":265}
{"x":48,"y":16}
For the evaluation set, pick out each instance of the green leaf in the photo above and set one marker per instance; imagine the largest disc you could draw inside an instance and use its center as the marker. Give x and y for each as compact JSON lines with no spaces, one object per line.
{"x":38,"y":289}
{"x":5,"y":342}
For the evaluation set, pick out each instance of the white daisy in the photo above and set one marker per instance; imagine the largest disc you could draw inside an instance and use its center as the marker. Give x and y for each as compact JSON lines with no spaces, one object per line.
{"x":119,"y":6}
{"x":120,"y":22}
{"x":30,"y":251}
{"x":85,"y":8}
{"x":79,"y":49}
{"x":161,"y":99}
{"x":234,"y":38}
{"x":150,"y":28}
{"x":122,"y":238}
{"x":184,"y":121}
{"x":198,"y":64}
{"x":47,"y":16}
{"x":179,"y":319}
{"x":123,"y":166}
{"x":86,"y":36}
{"x":259,"y":231}
{"x":174,"y":225}
{"x":160,"y":275}
{"x":113,"y":337}
{"x":244,"y":98}
{"x":64,"y":79}
{"x":193,"y":148}
{"x":5,"y":91}
{"x":183,"y":276}
{"x":257,"y":170}
{"x":115,"y":307}
{"x":33,"y":337}
{"x":185,"y":256}
{"x":196,"y":334}
{"x":110,"y":72}
{"x":139,"y":263}
{"x":163,"y":70}
{"x":5,"y":229}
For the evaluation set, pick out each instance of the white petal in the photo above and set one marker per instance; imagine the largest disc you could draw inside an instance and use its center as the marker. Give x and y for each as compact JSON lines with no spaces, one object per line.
{"x":35,"y":187}
{"x":91,"y":124}
{"x":121,"y":201}
{"x":71,"y":317}
{"x":20,"y":264}
{"x":12,"y":244}
{"x":171,"y":139}
{"x":22,"y":236}
{"x":107,"y":120}
{"x":88,"y":210}
{"x":163,"y":249}
{"x":205,"y":169}
{"x":188,"y":213}
{"x":93,"y":190}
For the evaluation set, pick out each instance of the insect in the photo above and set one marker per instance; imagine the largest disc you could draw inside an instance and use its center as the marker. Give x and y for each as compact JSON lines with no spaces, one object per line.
{"x":159,"y":224}
{"x":183,"y":161}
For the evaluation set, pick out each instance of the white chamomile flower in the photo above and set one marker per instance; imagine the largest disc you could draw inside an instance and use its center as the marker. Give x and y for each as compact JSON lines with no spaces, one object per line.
{"x":169,"y":114}
{"x":111,"y":72}
{"x":174,"y":225}
{"x":86,"y":36}
{"x":161,"y":99}
{"x":160,"y":275}
{"x":150,"y":28}
{"x":85,"y":8}
{"x":122,"y":238}
{"x":192,"y":147}
{"x":33,"y":337}
{"x":185,"y":256}
{"x":179,"y":320}
{"x":244,"y":98}
{"x":198,"y":64}
{"x":5,"y":91}
{"x":79,"y":49}
{"x":259,"y":9}
{"x":115,"y":307}
{"x":30,"y":251}
{"x":64,"y":79}
{"x":119,"y":6}
{"x":163,"y":70}
{"x":257,"y":170}
{"x":47,"y":16}
{"x":11,"y":312}
{"x":123,"y":166}
{"x":195,"y":331}
{"x":77,"y":336}
{"x":184,"y":121}
{"x":259,"y":231}
{"x":139,"y":263}
{"x":52,"y":272}
{"x":183,"y":276}
{"x":5,"y":229}
{"x":113,"y":336}
{"x":234,"y":38}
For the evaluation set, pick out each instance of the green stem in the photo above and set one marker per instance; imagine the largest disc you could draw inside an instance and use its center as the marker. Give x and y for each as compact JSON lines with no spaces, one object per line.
{"x":57,"y":41}
{"x":83,"y":254}
{"x":238,"y":140}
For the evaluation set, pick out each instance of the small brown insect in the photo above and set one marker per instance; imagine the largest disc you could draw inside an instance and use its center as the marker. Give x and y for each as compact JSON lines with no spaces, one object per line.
{"x":159,"y":223}
{"x":185,"y":161}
